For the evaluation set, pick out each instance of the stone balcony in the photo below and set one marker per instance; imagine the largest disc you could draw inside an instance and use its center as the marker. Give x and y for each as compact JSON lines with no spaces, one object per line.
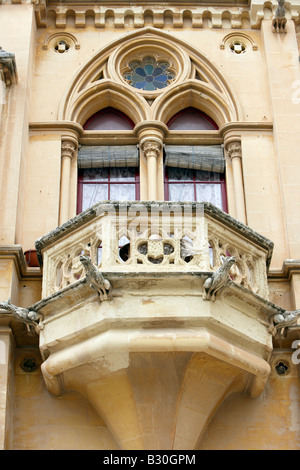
{"x":154,"y":238}
{"x":152,"y":349}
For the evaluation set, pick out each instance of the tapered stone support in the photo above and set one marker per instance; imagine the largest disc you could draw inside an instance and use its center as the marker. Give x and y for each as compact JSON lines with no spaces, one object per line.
{"x":156,"y":384}
{"x":113,"y":372}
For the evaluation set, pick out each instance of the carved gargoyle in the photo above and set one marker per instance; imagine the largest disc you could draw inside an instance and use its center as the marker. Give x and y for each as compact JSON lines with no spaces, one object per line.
{"x":218,"y":280}
{"x":95,"y":278}
{"x":28,"y":317}
{"x":281,"y":321}
{"x":279,"y":19}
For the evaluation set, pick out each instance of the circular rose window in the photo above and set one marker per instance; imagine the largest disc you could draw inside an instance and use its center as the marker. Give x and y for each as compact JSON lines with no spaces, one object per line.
{"x":149,"y":74}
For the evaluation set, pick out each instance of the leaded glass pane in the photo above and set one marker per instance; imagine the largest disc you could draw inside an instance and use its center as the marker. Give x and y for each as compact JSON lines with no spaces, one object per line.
{"x":122,"y":192}
{"x":93,"y":193}
{"x":122,"y":174}
{"x":93,"y":174}
{"x":207,"y":175}
{"x":209,"y":193}
{"x":149,"y":74}
{"x":181,"y":192}
{"x":180,"y":174}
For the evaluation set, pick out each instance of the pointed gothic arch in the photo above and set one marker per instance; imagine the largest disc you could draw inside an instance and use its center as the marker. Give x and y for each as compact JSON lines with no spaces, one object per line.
{"x":103,"y":94}
{"x":197,"y":94}
{"x":100,"y":80}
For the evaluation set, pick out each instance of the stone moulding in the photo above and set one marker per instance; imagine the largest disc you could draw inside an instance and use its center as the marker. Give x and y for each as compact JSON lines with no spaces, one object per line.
{"x":236,"y":15}
{"x":197,"y":340}
{"x":15,"y":252}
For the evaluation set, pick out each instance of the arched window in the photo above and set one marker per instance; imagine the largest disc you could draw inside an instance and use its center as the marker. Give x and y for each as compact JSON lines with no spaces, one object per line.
{"x":107,"y":172}
{"x":191,"y":119}
{"x":109,"y":119}
{"x":194,"y":172}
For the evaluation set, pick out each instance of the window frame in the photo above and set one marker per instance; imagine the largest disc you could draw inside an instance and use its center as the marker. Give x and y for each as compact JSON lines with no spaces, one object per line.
{"x":194,"y":182}
{"x":109,"y":183}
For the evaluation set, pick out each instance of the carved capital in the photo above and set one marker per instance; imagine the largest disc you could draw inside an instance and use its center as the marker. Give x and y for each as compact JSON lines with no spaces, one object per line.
{"x":68,"y":149}
{"x":234,"y":149}
{"x":151,"y":148}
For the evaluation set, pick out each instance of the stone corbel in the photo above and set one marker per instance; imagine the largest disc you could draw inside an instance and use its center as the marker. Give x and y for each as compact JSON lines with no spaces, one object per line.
{"x":151,"y":148}
{"x":234,"y":151}
{"x":68,"y":151}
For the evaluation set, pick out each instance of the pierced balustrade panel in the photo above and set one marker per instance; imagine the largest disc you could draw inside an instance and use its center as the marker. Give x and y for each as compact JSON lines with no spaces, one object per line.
{"x":154,"y":249}
{"x":63,"y":265}
{"x":249,"y":269}
{"x":164,"y":241}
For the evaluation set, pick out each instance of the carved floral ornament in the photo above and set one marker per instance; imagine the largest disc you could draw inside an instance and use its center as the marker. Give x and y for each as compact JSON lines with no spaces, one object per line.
{"x":234,"y":149}
{"x":151,"y":148}
{"x":68,"y":148}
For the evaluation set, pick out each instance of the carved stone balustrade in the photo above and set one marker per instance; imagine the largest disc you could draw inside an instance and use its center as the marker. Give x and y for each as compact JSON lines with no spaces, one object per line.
{"x":128,"y":322}
{"x":154,"y":237}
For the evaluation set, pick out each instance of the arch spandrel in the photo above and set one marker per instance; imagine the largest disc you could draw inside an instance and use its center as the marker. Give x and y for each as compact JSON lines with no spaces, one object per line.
{"x":216,"y":97}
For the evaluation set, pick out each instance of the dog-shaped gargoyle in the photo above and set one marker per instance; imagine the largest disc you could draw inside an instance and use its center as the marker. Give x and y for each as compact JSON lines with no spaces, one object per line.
{"x":95,"y":278}
{"x":218,"y":279}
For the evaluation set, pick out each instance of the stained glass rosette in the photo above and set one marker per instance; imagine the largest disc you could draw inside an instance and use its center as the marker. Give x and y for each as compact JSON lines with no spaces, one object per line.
{"x":149,"y":75}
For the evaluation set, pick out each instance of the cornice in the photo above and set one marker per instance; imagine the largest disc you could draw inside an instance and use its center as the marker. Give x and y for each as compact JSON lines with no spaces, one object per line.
{"x":198,"y":12}
{"x":16,"y":252}
{"x":289,"y":267}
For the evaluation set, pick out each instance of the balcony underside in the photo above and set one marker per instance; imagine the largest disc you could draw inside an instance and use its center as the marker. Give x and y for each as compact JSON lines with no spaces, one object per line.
{"x":156,"y":360}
